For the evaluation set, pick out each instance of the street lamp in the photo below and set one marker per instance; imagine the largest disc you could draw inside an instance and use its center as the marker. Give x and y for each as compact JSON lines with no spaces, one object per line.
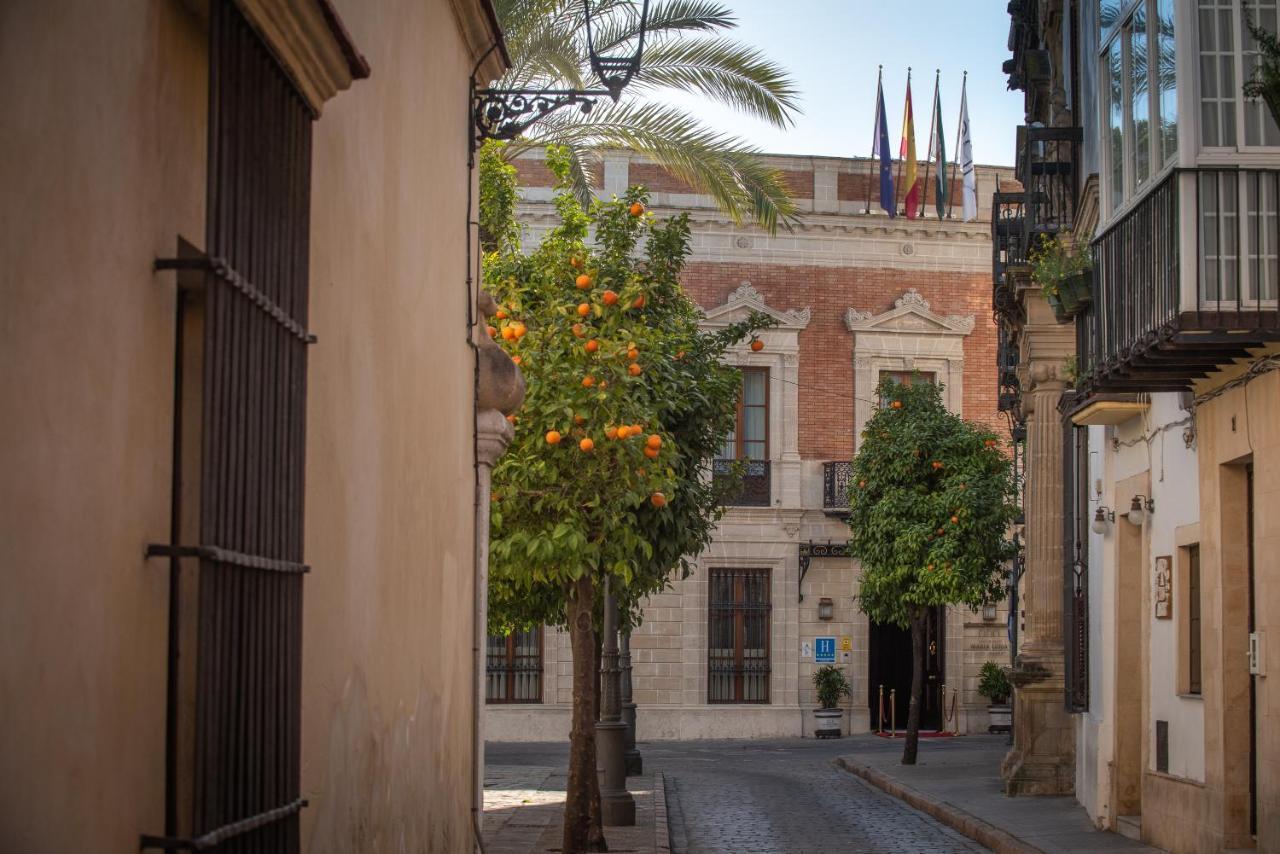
{"x":1139,"y":508}
{"x":507,"y":113}
{"x":1102,"y":517}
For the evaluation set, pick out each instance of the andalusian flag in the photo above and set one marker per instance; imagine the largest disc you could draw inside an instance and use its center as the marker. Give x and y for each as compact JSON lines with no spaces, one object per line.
{"x":938,"y":153}
{"x":907,"y":152}
{"x":880,"y":149}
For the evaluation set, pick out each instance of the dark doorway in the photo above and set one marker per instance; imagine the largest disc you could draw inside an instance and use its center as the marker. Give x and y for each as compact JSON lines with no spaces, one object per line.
{"x":889,"y":667}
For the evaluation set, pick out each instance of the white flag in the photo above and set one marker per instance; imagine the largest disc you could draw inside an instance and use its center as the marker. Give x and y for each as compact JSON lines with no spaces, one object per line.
{"x":965,"y":149}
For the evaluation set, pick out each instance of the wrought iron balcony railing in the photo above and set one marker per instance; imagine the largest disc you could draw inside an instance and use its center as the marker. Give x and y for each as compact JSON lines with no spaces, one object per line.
{"x":1048,"y":167}
{"x":835,"y":487}
{"x":1175,"y":300}
{"x":757,"y":486}
{"x":1008,"y":242}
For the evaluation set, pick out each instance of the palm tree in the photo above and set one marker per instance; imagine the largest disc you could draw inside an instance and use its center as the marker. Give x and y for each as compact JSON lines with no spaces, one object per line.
{"x":684,"y":48}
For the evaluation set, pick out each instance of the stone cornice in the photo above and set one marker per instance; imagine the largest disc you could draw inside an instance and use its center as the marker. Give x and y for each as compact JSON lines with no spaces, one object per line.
{"x":911,"y":314}
{"x":478,"y":24}
{"x":310,"y":43}
{"x":746,"y":299}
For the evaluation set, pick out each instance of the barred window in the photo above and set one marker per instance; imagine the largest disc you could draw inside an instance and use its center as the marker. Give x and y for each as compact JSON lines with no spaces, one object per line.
{"x":738,"y":636}
{"x":513,"y":668}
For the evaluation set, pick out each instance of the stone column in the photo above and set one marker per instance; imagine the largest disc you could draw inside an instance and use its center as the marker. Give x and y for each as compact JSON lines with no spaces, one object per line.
{"x":1042,"y":760}
{"x":617,"y":807}
{"x":499,"y":389}
{"x":635,"y":763}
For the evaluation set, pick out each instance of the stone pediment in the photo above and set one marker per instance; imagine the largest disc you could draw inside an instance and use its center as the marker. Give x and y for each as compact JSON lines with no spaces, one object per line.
{"x":746,"y":299}
{"x":911,"y":314}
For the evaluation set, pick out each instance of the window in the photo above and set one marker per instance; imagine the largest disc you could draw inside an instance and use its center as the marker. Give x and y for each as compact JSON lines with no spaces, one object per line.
{"x":906,"y":378}
{"x":1139,"y":80}
{"x":513,"y":670}
{"x":738,"y":636}
{"x":1187,"y":604}
{"x":750,"y":437}
{"x":1259,"y":127}
{"x":1224,"y":37}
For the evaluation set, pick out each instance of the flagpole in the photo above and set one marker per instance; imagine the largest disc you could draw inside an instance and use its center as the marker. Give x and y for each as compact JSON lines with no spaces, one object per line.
{"x":897,"y":182}
{"x":875,"y":131}
{"x":955,"y":157}
{"x":928,"y":159}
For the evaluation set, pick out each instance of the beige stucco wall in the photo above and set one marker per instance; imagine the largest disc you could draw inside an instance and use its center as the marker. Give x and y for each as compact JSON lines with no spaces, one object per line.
{"x":387,"y":671}
{"x":101,"y":163}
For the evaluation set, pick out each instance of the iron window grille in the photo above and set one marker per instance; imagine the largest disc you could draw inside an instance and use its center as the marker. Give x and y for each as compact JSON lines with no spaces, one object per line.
{"x":738,"y":642}
{"x":513,"y":667}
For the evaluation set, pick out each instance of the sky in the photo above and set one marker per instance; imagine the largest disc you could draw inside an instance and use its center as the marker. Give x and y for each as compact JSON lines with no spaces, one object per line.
{"x":832,"y":49}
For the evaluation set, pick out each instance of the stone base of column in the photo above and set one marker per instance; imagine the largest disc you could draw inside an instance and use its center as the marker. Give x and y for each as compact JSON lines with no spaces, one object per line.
{"x":1043,"y":758}
{"x":617,"y":807}
{"x":634,"y":761}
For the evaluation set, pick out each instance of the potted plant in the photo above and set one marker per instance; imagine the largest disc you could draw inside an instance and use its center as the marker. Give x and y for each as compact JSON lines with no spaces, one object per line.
{"x":832,"y":686}
{"x":994,"y":685}
{"x":1265,"y":82}
{"x":1062,"y":270}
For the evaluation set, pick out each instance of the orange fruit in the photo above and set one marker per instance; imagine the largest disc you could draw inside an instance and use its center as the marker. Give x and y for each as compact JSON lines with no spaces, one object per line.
{"x":937,"y":465}
{"x":511,"y":418}
{"x":493,"y":332}
{"x":658,"y":499}
{"x":964,"y":486}
{"x":604,"y":384}
{"x":578,"y":419}
{"x":634,"y":369}
{"x":592,"y":346}
{"x":508,"y":333}
{"x":588,"y":381}
{"x":941,"y":531}
{"x":955,"y":520}
{"x":862,"y":484}
{"x":609,"y":297}
{"x":638,"y":302}
{"x":757,"y":345}
{"x":624,"y":431}
{"x":575,"y":262}
{"x":636,"y":209}
{"x":586,"y":444}
{"x":583,"y":282}
{"x":611,"y":432}
{"x":520,"y":330}
{"x":633,"y":354}
{"x":637,"y":429}
{"x":654,"y":441}
{"x":553,"y":437}
{"x":516,"y":359}
{"x":651,"y":452}
{"x":501,"y":315}
{"x":583,"y":309}
{"x":897,"y":404}
{"x":579,"y":330}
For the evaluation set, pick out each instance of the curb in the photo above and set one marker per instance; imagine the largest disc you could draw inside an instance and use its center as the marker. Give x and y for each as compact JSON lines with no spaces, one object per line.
{"x":661,"y":828}
{"x":1000,"y":841}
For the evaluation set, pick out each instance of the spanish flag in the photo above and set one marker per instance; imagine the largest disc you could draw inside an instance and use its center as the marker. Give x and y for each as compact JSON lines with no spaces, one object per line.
{"x":907,"y":152}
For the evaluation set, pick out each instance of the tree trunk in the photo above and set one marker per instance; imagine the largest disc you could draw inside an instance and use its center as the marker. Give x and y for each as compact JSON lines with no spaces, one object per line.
{"x":919,"y":616}
{"x":597,"y":841}
{"x":578,"y":820}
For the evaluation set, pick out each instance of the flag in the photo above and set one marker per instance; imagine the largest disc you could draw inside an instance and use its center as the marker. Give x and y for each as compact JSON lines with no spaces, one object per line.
{"x":938,"y":152}
{"x":881,"y":149}
{"x":907,"y":152}
{"x":969,"y":195}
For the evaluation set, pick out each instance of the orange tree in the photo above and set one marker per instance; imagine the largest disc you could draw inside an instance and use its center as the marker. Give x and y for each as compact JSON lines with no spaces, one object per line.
{"x":626,"y":400}
{"x":932,"y":498}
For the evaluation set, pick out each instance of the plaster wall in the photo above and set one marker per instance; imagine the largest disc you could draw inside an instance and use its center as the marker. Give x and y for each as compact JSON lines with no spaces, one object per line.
{"x":102,"y":164}
{"x":387,"y":675}
{"x":1093,"y":733}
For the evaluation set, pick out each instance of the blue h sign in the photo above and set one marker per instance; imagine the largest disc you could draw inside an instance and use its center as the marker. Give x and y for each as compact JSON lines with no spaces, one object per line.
{"x":824,"y":650}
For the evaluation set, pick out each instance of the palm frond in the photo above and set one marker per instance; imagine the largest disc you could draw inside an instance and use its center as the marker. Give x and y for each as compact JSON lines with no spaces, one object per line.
{"x":734,"y":74}
{"x":665,"y":19}
{"x":714,"y":163}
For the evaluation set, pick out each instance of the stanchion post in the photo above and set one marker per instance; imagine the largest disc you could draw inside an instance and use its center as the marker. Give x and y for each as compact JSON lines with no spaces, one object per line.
{"x":893,"y":712}
{"x":880,"y":712}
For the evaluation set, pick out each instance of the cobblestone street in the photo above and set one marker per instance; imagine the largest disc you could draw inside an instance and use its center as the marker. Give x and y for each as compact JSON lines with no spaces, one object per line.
{"x":768,"y":796}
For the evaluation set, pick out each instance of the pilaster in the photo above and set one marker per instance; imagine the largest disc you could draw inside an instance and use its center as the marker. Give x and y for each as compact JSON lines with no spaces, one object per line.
{"x":1042,"y":761}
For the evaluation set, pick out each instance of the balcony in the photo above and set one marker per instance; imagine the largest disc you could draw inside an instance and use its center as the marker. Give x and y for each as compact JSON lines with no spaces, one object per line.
{"x":1158,"y":324}
{"x":757,"y":487}
{"x":835,"y":488}
{"x":1008,"y":246}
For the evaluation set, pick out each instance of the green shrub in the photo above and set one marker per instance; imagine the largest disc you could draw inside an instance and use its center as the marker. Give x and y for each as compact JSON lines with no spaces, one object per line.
{"x":993,"y":684}
{"x":831,"y":684}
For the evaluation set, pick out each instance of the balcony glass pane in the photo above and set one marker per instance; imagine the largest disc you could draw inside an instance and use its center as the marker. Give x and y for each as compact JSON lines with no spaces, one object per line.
{"x":1219,"y":236}
{"x":1217,"y":74}
{"x":1139,"y":97}
{"x":1167,"y":82}
{"x":1108,"y":16}
{"x":1115,"y":124}
{"x":1259,"y":127}
{"x":1260,"y":237}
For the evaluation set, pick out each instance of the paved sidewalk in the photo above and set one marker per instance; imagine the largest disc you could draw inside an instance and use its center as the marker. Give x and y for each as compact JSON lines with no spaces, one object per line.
{"x":957,"y":781}
{"x":524,"y":812}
